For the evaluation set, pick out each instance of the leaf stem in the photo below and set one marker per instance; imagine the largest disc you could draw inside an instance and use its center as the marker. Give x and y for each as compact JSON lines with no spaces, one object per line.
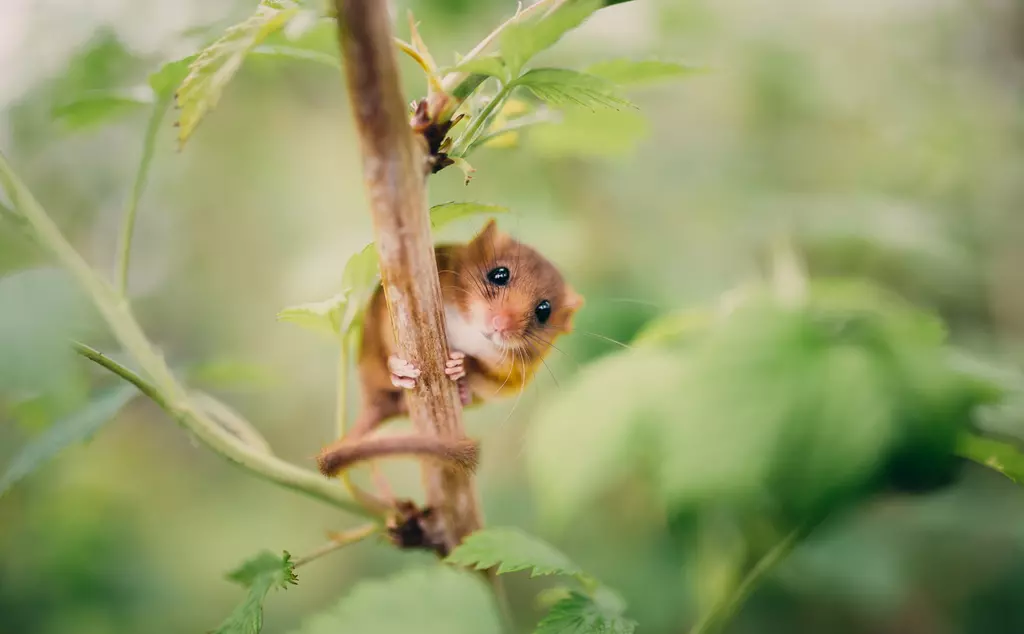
{"x":339,"y":541}
{"x":478,"y":125}
{"x":161,"y":385}
{"x":124,"y":248}
{"x":720,"y":614}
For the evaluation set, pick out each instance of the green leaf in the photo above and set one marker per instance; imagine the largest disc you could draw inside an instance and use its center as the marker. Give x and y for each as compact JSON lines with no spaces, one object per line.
{"x":434,"y":600}
{"x":99,"y":106}
{"x":627,"y":71}
{"x":444,"y":213}
{"x":72,"y":430}
{"x":614,"y":404}
{"x":997,"y":455}
{"x":489,"y":65}
{"x":673,"y":328}
{"x":324,"y":317}
{"x":362,"y":271}
{"x":260,"y":575}
{"x":525,"y":38}
{"x":169,"y":77}
{"x":217,"y":64}
{"x":607,"y":133}
{"x":580,"y":614}
{"x":564,"y":87}
{"x":512,"y":550}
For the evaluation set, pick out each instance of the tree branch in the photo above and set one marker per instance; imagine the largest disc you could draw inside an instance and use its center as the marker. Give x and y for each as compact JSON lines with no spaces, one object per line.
{"x":394,"y":172}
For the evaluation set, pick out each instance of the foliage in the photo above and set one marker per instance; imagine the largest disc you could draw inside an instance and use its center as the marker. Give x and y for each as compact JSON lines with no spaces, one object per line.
{"x":593,"y":609}
{"x":431,"y":600}
{"x":260,"y":575}
{"x":74,"y":429}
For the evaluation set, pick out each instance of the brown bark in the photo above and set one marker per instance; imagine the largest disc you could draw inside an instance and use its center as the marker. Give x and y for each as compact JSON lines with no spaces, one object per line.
{"x":394,"y":175}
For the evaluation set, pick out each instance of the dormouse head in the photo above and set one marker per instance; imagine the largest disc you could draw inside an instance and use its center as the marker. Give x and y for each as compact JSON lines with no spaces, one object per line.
{"x":512,"y":295}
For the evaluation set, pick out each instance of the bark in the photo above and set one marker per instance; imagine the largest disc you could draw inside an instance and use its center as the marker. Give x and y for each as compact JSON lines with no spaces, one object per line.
{"x":395,"y":179}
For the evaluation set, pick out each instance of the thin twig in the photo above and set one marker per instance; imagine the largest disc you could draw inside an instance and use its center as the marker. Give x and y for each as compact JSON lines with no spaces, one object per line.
{"x":338,"y":541}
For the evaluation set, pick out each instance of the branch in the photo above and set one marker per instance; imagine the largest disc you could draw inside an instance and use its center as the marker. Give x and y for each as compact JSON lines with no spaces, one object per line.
{"x":160,"y":383}
{"x":394,"y":176}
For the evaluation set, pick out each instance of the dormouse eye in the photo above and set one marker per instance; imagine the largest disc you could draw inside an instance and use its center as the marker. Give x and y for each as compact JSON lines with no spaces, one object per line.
{"x":543,"y":311}
{"x":498,"y":276}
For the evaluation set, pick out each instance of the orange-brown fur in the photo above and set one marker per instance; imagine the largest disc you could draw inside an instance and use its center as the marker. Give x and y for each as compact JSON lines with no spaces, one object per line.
{"x":469,"y":300}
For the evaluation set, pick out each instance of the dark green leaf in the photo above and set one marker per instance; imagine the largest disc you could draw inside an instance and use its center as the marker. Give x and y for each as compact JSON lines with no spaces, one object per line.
{"x":435,"y":600}
{"x":72,"y":430}
{"x":512,"y":550}
{"x":96,"y":107}
{"x":260,"y":575}
{"x":525,"y":38}
{"x":579,"y":614}
{"x":564,"y":87}
{"x":626,"y":71}
{"x":217,"y":64}
{"x":441,"y":215}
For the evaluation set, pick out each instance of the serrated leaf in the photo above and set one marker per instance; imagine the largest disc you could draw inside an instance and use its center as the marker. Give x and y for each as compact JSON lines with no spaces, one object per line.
{"x":522,"y":40}
{"x":72,"y":430}
{"x":512,"y":550}
{"x":627,"y":71}
{"x":99,"y":106}
{"x":435,"y":600}
{"x":564,"y":87}
{"x":441,"y":215}
{"x":217,"y":64}
{"x":324,"y":317}
{"x":260,"y":575}
{"x":580,"y":614}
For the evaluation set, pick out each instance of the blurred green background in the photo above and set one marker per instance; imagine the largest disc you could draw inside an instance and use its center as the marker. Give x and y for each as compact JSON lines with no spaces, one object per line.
{"x":884,"y":138}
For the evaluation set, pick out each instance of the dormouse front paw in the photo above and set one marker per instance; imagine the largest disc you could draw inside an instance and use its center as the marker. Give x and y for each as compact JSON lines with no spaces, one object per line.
{"x":455,"y":367}
{"x":403,"y":373}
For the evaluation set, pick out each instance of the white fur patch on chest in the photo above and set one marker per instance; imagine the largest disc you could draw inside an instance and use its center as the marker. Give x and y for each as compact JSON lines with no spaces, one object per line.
{"x":468,"y":338}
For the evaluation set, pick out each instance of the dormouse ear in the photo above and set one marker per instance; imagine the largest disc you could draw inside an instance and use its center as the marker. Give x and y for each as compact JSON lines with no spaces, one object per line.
{"x":573,"y":302}
{"x":489,"y":233}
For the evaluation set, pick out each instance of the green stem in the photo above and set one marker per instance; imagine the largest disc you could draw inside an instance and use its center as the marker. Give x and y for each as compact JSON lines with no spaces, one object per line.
{"x":478,"y":125}
{"x":720,"y":615}
{"x":339,"y":541}
{"x":161,"y":385}
{"x":124,"y":248}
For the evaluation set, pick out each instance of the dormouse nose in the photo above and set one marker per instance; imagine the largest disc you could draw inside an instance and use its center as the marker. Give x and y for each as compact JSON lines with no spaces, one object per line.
{"x":501,"y":322}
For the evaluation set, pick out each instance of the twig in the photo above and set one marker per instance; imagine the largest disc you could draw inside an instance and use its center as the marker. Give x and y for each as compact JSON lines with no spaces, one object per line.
{"x":394,"y":176}
{"x":226,"y":444}
{"x":338,"y":541}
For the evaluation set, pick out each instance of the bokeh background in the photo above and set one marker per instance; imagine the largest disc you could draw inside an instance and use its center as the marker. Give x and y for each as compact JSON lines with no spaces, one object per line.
{"x":883,"y":137}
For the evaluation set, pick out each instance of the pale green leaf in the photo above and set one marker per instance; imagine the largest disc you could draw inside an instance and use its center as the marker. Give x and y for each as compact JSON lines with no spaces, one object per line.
{"x":298,"y":54}
{"x":72,"y":430}
{"x":434,"y":600}
{"x":362,"y":271}
{"x":627,"y":71}
{"x":613,"y":403}
{"x":512,"y":550}
{"x":489,"y":65}
{"x":675,"y":327}
{"x":441,"y":215}
{"x":324,"y":317}
{"x":99,"y":106}
{"x":260,"y":575}
{"x":525,"y":38}
{"x":606,"y":133}
{"x":165,"y":80}
{"x":217,"y":64}
{"x":580,"y":614}
{"x":564,"y":87}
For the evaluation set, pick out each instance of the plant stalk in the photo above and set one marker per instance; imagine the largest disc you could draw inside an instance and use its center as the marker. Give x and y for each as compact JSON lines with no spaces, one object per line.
{"x":395,"y":181}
